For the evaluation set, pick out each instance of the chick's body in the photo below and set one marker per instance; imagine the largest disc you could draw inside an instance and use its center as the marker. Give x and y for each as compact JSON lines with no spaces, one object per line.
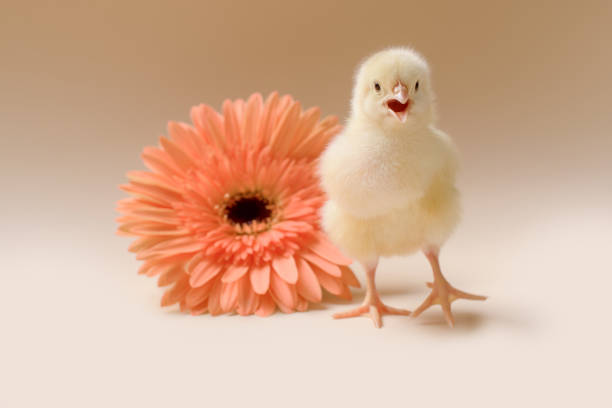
{"x":389,"y":194}
{"x":390,"y":177}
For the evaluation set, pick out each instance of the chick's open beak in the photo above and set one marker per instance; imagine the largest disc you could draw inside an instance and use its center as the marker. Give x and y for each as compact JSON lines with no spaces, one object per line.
{"x":398,"y":104}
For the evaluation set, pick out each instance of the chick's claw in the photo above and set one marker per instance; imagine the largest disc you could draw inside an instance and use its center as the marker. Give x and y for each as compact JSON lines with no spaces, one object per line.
{"x":375,"y":310}
{"x":443,"y":294}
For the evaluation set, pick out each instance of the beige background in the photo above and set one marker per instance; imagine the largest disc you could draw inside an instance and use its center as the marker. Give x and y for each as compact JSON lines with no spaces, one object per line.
{"x":524,"y":88}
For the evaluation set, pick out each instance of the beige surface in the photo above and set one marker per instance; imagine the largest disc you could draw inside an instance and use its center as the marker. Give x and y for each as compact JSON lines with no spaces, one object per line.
{"x":524,"y":88}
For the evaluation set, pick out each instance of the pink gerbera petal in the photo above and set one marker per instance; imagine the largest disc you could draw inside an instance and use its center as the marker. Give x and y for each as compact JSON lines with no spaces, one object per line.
{"x":179,"y":157}
{"x":308,"y":285}
{"x":286,"y":268}
{"x":176,"y":294}
{"x":197,"y":296}
{"x":229,"y":296}
{"x":234,"y":272}
{"x":214,"y":300}
{"x":260,"y":278}
{"x":302,"y":305}
{"x":323,"y":264}
{"x":203,"y":272}
{"x":349,"y":277}
{"x":283,"y":291}
{"x":248,"y":300}
{"x":266,"y":306}
{"x":324,"y":248}
{"x":331,"y":284}
{"x":170,"y":276}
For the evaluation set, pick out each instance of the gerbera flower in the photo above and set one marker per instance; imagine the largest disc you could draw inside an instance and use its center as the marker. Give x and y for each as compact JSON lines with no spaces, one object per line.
{"x":229,"y":213}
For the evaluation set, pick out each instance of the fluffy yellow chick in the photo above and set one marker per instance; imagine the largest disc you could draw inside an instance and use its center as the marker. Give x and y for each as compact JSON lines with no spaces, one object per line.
{"x":390,"y":178}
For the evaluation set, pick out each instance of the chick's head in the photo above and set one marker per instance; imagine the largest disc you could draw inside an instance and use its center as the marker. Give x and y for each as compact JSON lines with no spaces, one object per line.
{"x":392,"y":87}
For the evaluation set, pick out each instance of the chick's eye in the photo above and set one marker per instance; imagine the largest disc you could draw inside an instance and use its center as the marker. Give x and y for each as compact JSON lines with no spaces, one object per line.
{"x":416,"y":86}
{"x":376,"y":86}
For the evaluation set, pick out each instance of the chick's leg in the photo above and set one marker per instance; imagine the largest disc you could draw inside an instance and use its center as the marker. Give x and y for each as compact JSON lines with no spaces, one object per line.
{"x":372,"y":305}
{"x":442,"y":293}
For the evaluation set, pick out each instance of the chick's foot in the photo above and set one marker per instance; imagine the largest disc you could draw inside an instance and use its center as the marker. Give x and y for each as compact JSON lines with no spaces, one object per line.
{"x":443,"y":294}
{"x":374,"y":308}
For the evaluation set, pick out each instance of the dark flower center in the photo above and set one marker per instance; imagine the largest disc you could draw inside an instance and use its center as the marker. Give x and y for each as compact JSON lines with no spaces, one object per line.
{"x":246,"y":209}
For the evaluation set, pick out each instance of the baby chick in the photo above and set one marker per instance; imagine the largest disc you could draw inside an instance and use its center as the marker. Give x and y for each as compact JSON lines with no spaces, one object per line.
{"x":390,"y":178}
